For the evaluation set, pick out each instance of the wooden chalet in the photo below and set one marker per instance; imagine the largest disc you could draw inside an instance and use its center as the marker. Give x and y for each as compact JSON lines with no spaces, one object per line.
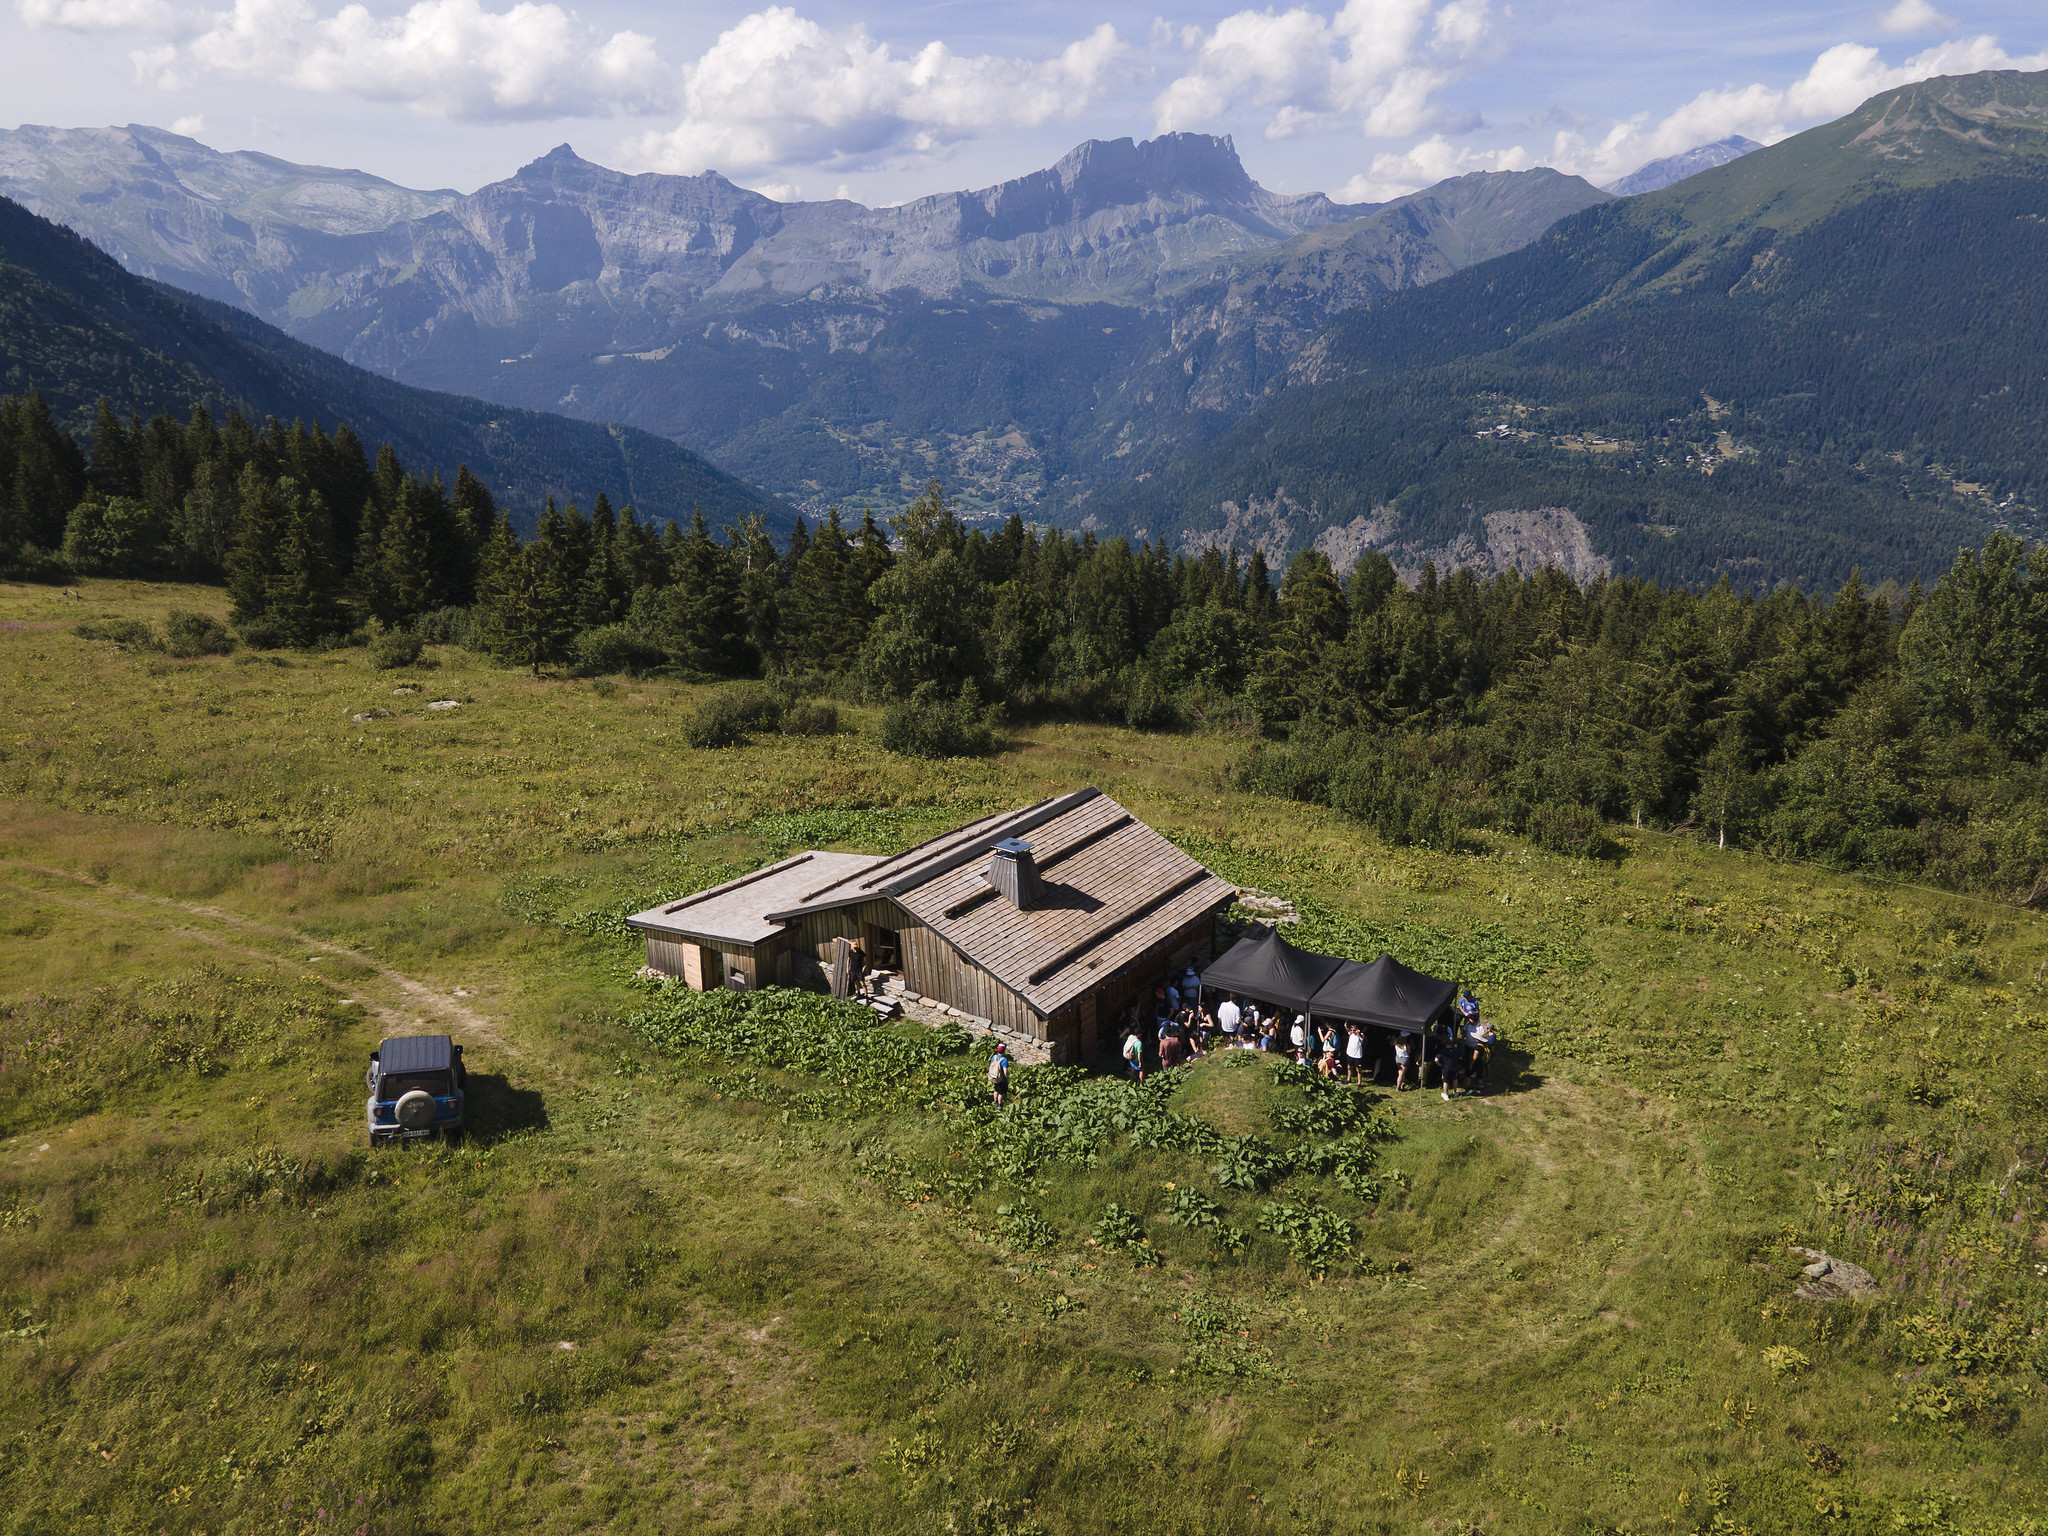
{"x":1045,"y":922}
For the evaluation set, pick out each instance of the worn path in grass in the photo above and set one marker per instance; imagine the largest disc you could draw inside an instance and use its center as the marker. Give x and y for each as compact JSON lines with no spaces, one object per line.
{"x":406,"y":1002}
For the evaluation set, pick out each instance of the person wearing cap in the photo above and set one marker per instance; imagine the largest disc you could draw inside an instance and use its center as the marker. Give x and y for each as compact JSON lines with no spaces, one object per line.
{"x":999,"y":1074}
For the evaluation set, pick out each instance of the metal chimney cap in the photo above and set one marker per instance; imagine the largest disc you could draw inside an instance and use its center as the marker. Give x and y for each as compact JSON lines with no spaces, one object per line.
{"x":1012,"y":846}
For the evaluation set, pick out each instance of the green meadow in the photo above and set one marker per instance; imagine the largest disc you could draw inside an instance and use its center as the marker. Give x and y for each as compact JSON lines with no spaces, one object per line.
{"x":761,"y":1265}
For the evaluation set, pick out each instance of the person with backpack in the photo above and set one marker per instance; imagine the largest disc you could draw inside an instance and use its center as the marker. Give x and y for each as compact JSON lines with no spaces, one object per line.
{"x":1134,"y":1053}
{"x":999,"y":1074}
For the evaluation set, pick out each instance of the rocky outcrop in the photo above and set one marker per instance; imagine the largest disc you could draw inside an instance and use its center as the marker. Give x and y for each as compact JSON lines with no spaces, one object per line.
{"x":1831,"y":1279}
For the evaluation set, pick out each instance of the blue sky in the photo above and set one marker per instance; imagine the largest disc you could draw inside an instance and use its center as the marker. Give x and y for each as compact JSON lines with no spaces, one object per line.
{"x":820,"y":98}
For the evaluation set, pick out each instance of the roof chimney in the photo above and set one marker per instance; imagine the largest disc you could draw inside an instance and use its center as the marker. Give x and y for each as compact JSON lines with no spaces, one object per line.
{"x":1013,"y":873}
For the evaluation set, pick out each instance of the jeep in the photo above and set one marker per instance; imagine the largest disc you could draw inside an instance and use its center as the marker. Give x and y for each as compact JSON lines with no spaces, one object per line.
{"x":415,"y":1088}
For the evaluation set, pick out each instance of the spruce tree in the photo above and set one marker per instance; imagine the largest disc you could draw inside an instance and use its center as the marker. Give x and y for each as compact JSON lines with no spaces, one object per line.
{"x":305,"y":602}
{"x":526,"y":605}
{"x":255,"y":561}
{"x":475,"y":516}
{"x":115,"y":471}
{"x":42,"y":476}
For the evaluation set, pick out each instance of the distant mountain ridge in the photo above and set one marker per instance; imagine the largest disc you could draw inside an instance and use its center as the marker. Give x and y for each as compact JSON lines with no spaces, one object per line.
{"x":1821,"y":356}
{"x":76,"y":327}
{"x":1022,"y":341}
{"x":1659,"y":174}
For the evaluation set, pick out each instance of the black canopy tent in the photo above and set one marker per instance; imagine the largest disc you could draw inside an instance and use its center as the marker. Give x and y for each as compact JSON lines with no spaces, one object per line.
{"x":1386,"y":993}
{"x":1267,"y":967}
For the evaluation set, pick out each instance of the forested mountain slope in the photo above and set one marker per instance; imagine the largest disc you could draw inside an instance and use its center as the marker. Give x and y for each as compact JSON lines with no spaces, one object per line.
{"x":1823,"y":355}
{"x":76,"y":327}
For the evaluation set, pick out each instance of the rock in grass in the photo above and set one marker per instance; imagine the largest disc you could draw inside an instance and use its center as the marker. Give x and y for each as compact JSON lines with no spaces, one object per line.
{"x":1831,"y":1279}
{"x":446,"y":704}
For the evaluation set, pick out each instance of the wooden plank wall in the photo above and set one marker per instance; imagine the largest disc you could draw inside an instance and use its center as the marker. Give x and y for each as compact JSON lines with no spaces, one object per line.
{"x":701,"y":966}
{"x":935,"y":968}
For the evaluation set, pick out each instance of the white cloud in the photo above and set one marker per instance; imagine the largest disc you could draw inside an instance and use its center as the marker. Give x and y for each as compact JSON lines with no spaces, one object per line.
{"x":453,"y":58}
{"x":1435,"y":159}
{"x":1841,"y":79}
{"x":1914,"y":16}
{"x":94,"y":15}
{"x":779,"y":89}
{"x":191,"y":127}
{"x":1378,"y":62}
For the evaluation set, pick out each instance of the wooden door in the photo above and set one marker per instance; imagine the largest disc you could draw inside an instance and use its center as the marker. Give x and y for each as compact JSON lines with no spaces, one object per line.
{"x":693,"y":966}
{"x":842,"y":966}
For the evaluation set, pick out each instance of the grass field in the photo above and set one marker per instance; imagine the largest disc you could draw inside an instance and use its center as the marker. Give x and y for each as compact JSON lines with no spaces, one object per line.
{"x":699,"y":1270}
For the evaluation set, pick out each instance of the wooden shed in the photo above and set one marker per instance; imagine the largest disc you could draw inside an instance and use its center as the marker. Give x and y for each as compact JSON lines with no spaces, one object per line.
{"x":1045,"y":921}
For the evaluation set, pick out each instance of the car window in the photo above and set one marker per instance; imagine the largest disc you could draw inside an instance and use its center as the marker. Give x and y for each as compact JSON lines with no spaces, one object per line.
{"x":398,"y":1084}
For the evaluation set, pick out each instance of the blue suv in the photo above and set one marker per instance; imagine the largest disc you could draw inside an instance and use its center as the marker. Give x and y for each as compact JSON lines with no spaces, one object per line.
{"x":415,"y":1085}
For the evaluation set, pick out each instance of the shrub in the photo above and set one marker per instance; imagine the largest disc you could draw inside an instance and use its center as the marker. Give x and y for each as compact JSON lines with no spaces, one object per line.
{"x":811,"y":719}
{"x":1317,"y":1236}
{"x":1149,"y":705}
{"x":727,"y":717}
{"x":1563,"y":827}
{"x":447,"y":626}
{"x":263,"y":634}
{"x":395,"y":648}
{"x":929,"y":724}
{"x":196,"y":634}
{"x":116,"y":537}
{"x":615,"y":648}
{"x":133,"y":633}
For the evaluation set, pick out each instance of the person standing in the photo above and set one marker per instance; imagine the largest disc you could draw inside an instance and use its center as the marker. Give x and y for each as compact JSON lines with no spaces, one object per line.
{"x":1479,"y":1036}
{"x":1134,"y":1053}
{"x":1298,"y":1038}
{"x":1404,"y":1046}
{"x":1354,"y":1053}
{"x":999,"y":1074}
{"x":1228,"y":1017}
{"x":1450,"y":1063}
{"x":857,"y":969}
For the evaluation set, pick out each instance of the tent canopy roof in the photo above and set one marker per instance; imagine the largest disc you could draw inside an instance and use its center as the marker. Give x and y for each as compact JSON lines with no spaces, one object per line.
{"x":1385,"y":992}
{"x":1267,"y":967}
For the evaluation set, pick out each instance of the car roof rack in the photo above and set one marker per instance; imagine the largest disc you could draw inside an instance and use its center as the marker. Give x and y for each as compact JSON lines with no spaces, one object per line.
{"x":417,"y":1053}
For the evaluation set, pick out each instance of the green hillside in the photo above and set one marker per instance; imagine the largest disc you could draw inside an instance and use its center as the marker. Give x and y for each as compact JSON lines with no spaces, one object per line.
{"x":1824,"y":355}
{"x":76,"y":327}
{"x":760,"y":1265}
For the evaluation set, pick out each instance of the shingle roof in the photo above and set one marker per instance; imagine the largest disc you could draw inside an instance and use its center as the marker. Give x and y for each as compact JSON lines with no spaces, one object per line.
{"x":1112,"y":887}
{"x":738,"y":912}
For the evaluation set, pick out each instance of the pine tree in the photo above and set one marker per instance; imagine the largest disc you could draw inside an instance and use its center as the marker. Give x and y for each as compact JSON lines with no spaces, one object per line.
{"x":698,"y":617}
{"x":476,"y":516}
{"x":526,"y":606}
{"x":305,"y":601}
{"x":759,"y":572}
{"x":115,"y":470}
{"x":255,"y":561}
{"x":42,"y":476}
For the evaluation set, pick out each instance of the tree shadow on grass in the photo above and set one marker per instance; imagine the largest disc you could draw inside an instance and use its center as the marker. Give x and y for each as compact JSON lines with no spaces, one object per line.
{"x":495,"y":1107}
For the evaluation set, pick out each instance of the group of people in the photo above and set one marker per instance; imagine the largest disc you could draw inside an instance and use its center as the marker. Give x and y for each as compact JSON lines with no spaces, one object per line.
{"x":1457,"y":1053}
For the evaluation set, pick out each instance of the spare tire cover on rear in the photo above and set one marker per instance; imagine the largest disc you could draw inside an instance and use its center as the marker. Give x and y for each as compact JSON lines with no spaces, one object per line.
{"x":416,"y":1110}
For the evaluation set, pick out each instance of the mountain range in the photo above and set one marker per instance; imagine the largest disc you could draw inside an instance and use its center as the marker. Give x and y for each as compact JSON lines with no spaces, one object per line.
{"x":1821,"y":356}
{"x":1792,"y":362}
{"x":1025,"y":342}
{"x":77,"y":328}
{"x":1670,"y":170}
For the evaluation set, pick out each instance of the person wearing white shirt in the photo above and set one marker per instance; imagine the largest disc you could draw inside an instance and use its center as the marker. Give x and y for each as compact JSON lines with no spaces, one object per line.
{"x":1227,"y":1018}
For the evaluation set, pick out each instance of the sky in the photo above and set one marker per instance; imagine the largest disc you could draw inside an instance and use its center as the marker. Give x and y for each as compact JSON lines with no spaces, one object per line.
{"x":1362,"y":99}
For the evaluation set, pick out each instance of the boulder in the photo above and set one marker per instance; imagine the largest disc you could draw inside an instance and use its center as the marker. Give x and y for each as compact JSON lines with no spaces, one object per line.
{"x":1831,"y":1279}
